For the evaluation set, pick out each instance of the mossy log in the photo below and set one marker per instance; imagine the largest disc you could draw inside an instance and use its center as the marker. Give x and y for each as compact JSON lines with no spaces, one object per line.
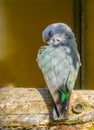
{"x":33,"y":107}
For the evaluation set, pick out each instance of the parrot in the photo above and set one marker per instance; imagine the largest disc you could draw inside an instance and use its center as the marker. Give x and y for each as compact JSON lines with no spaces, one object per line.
{"x":59,"y":62}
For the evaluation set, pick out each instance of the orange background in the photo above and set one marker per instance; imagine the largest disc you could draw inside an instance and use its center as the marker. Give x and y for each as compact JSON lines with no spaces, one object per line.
{"x":20,"y":37}
{"x":90,"y":45}
{"x":21,"y":25}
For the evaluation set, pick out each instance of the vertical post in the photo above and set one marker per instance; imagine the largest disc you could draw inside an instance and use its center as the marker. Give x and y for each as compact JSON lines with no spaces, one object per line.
{"x":79,"y":13}
{"x":83,"y":43}
{"x":77,"y":31}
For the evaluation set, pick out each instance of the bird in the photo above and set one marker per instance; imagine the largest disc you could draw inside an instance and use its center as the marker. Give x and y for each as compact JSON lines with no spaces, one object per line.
{"x":59,"y":62}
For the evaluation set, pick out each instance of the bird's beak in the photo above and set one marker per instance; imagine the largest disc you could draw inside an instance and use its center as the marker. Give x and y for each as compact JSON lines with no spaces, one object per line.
{"x":57,"y":39}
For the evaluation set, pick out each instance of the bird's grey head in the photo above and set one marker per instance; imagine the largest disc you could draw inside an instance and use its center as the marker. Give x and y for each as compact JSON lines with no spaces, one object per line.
{"x":57,"y":33}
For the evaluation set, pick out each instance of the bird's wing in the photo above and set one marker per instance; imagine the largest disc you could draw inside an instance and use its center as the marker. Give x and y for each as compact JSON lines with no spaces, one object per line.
{"x":55,"y":67}
{"x":59,"y":66}
{"x":74,"y":62}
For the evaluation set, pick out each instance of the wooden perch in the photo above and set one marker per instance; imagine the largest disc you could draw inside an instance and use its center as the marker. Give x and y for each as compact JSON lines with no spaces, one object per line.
{"x":31,"y":106}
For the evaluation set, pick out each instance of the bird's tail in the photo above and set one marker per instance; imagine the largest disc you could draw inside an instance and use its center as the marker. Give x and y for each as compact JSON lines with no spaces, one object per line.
{"x":62,"y":105}
{"x":62,"y":102}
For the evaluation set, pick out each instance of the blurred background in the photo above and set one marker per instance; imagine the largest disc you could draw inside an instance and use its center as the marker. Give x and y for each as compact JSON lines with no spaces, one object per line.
{"x":21,"y":25}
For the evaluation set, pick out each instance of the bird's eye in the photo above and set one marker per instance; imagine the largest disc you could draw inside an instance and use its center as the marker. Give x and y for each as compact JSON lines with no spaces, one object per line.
{"x":50,"y":34}
{"x":69,"y":37}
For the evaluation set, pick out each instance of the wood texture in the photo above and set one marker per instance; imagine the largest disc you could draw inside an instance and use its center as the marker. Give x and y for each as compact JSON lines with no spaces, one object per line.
{"x":30,"y":106}
{"x":80,"y":29}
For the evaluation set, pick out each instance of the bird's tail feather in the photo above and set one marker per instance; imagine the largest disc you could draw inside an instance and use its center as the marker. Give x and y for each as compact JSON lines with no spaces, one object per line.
{"x":62,"y":104}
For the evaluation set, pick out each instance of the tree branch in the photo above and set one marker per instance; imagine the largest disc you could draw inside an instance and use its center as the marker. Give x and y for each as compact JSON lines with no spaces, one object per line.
{"x":31,"y":106}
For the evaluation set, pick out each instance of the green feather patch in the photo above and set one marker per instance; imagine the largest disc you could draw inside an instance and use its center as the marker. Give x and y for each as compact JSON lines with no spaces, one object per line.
{"x":64,"y":96}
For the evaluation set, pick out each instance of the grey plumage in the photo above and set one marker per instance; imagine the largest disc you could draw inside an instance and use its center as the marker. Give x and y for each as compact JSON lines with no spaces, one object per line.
{"x":59,"y":63}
